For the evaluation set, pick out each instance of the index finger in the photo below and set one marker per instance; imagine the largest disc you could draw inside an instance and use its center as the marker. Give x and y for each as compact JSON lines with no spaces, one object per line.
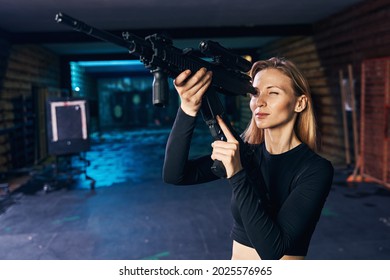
{"x":226,"y":131}
{"x":182,"y":77}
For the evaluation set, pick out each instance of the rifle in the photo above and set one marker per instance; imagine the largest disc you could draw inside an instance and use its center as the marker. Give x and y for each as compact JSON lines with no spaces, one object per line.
{"x":164,"y":60}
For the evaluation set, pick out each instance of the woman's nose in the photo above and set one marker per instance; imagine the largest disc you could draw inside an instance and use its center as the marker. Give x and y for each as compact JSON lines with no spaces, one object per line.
{"x":260,"y":100}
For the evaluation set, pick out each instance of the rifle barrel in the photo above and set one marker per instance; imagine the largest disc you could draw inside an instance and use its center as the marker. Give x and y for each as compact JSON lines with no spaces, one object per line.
{"x":89,"y":30}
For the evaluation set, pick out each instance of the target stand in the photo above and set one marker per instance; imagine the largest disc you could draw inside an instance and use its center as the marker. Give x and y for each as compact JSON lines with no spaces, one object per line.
{"x":67,"y":139}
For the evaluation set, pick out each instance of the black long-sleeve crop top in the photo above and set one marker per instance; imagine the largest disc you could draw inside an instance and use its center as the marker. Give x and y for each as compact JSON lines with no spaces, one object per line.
{"x":276,"y":199}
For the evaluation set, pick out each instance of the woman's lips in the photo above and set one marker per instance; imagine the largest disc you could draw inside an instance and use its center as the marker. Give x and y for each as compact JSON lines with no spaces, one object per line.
{"x":261,"y":115}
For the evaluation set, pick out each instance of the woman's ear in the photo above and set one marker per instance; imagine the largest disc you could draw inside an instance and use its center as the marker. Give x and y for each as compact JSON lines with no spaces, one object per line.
{"x":301,"y":103}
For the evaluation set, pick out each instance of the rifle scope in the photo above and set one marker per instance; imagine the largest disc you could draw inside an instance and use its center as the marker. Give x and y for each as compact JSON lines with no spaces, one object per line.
{"x":224,"y":56}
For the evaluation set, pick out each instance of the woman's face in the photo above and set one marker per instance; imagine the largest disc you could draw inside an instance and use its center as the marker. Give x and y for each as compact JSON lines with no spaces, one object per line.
{"x":275,"y":104}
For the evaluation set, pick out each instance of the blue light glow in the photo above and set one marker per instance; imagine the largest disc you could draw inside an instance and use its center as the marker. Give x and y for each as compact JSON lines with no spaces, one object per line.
{"x":109,"y":63}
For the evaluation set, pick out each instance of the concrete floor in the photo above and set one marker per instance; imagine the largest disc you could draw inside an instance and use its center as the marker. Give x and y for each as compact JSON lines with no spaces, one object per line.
{"x":132,"y":214}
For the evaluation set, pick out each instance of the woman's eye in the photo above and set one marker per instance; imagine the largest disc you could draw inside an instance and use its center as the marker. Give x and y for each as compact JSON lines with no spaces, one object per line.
{"x":273,"y":92}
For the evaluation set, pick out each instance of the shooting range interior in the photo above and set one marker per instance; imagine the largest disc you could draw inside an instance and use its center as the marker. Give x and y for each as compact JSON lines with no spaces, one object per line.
{"x":82,"y":146}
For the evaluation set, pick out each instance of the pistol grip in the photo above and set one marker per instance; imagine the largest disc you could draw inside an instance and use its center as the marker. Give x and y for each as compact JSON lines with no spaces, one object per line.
{"x":216,"y":132}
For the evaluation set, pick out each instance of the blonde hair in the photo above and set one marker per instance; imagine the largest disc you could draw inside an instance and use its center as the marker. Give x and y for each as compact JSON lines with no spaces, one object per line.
{"x":305,"y":125}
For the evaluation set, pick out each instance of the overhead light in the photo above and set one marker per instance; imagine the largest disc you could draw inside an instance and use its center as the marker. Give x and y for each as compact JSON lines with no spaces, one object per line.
{"x":109,"y":63}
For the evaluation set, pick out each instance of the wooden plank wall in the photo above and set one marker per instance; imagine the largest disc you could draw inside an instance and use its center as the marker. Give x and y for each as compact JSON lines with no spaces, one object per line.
{"x":22,"y":68}
{"x":349,"y":37}
{"x":375,"y":125}
{"x":29,"y":65}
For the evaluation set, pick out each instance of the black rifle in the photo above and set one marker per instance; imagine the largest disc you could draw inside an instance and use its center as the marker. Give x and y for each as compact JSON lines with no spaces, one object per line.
{"x":164,"y":60}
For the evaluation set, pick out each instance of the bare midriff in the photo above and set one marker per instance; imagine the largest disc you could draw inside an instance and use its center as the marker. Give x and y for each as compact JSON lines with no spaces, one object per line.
{"x":242,"y":252}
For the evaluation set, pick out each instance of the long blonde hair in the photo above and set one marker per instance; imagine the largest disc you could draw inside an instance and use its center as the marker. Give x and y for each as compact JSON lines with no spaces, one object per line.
{"x":305,"y":125}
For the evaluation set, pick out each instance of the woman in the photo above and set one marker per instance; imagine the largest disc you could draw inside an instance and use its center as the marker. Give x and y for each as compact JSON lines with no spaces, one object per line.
{"x":279,"y":184}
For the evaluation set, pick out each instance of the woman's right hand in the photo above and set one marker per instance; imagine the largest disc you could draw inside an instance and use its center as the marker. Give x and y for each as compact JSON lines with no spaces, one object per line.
{"x":191,"y":89}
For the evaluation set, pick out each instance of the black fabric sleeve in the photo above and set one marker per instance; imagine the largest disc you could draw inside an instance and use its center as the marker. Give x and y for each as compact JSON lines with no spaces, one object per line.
{"x":178,"y":169}
{"x":300,"y":212}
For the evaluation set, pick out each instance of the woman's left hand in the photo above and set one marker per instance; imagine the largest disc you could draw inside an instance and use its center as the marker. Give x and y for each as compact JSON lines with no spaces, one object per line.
{"x":228,"y":152}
